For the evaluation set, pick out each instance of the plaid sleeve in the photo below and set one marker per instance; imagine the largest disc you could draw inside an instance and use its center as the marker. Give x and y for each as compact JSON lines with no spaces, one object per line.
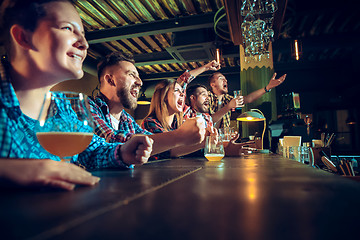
{"x":153,"y":125}
{"x":103,"y":126}
{"x":5,"y":134}
{"x":212,"y":103}
{"x":208,"y":119}
{"x":226,"y":118}
{"x":100,"y":155}
{"x":228,"y":98}
{"x":186,"y":77}
{"x":129,"y":125}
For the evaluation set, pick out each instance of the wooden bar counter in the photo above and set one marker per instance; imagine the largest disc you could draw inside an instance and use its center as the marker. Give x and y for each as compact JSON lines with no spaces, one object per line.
{"x":258,"y":196}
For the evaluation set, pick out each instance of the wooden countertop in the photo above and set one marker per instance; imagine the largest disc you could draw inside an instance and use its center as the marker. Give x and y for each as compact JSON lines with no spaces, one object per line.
{"x":259,"y":196}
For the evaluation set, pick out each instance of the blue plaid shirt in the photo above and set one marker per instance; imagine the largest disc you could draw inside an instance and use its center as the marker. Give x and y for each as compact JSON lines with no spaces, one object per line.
{"x":18,"y":137}
{"x":103,"y":127}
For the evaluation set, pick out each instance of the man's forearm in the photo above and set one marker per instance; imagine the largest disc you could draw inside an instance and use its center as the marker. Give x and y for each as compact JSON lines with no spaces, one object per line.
{"x":220,"y":113}
{"x":183,"y":150}
{"x":197,"y":71}
{"x":165,"y":141}
{"x":254,"y":95}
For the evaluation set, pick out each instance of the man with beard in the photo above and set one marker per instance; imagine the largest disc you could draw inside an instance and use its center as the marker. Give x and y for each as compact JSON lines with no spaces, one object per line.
{"x":221,"y":102}
{"x":119,"y":88}
{"x":198,"y":98}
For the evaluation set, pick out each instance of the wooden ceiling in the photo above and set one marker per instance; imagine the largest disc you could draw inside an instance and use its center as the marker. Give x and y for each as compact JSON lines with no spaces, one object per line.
{"x":168,"y":36}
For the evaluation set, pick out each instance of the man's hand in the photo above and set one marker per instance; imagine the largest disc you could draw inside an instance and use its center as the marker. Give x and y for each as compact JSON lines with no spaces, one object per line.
{"x":234,"y":149}
{"x":275,"y":82}
{"x":192,"y":131}
{"x":236,"y":102}
{"x":137,"y":150}
{"x":45,"y":172}
{"x":213,"y":65}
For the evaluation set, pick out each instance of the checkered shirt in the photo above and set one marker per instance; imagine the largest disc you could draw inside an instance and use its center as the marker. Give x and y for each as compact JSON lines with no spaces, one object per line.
{"x":214,"y":107}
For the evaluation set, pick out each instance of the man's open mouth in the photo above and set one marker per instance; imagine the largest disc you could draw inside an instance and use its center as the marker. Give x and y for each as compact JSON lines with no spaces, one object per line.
{"x":134,"y":92}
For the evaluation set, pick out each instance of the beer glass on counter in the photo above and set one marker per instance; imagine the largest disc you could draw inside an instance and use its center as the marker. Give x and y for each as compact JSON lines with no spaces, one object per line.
{"x":214,"y":149}
{"x":65,"y":124}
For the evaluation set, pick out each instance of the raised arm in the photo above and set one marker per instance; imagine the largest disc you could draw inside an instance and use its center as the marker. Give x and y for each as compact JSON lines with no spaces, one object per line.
{"x":188,"y":76}
{"x":213,"y":66}
{"x":260,"y":92}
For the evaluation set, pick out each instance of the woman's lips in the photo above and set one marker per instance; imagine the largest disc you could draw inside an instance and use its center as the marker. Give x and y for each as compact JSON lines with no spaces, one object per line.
{"x":180,"y":103}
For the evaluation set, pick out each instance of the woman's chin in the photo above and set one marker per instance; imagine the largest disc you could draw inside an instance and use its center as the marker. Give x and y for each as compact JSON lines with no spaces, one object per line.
{"x":74,"y":74}
{"x":178,"y":109}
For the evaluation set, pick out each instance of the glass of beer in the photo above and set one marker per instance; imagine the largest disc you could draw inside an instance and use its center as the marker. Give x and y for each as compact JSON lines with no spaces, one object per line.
{"x":214,"y":149}
{"x":65,"y":124}
{"x":237,"y":94}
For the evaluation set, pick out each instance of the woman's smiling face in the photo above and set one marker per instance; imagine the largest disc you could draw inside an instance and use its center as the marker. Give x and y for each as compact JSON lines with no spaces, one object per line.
{"x":59,"y":46}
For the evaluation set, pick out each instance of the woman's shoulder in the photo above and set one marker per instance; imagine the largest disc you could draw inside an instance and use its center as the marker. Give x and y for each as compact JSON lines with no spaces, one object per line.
{"x":149,"y":121}
{"x":152,"y":124}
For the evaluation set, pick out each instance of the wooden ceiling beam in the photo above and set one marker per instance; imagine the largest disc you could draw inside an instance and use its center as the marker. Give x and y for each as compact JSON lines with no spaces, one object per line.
{"x":232,"y":8}
{"x":152,"y":28}
{"x":279,"y":17}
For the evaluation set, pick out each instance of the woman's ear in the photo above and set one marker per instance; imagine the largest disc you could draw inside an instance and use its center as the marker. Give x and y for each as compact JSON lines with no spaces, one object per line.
{"x":21,"y":36}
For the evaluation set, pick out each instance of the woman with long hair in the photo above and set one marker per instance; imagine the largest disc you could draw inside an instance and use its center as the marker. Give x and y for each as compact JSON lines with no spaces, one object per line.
{"x":167,"y":105}
{"x":165,"y":113}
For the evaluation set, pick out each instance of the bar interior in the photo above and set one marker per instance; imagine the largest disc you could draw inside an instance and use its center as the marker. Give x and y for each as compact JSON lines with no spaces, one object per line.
{"x":301,"y":178}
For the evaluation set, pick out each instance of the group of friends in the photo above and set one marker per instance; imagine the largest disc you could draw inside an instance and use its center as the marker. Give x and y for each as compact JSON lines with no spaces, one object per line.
{"x":45,"y":44}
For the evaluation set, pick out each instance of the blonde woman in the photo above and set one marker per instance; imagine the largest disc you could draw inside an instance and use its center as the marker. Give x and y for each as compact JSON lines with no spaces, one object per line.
{"x":166,"y":109}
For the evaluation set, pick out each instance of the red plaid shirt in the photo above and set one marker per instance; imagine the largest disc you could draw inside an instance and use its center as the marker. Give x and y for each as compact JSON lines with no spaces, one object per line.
{"x":153,"y":125}
{"x":103,"y":128}
{"x":190,"y":112}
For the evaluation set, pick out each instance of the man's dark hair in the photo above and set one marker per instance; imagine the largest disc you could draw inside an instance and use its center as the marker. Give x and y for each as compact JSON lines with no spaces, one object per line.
{"x":111,"y":60}
{"x":23,"y":12}
{"x":191,"y":91}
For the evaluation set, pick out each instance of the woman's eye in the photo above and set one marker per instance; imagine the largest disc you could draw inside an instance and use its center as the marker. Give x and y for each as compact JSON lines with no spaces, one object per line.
{"x":67,"y":28}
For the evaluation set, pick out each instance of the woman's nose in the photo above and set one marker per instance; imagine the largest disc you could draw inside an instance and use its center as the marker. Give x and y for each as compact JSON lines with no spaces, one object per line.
{"x":82,"y":43}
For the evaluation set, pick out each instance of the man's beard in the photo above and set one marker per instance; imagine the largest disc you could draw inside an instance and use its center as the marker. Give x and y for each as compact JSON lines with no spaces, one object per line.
{"x":127,"y":99}
{"x":203,"y":109}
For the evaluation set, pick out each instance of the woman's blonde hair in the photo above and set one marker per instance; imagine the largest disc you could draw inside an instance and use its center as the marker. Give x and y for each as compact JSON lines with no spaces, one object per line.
{"x":159,"y":104}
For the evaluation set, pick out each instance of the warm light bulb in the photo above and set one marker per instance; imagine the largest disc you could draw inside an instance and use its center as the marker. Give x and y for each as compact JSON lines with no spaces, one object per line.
{"x":217,"y":55}
{"x":297,"y":57}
